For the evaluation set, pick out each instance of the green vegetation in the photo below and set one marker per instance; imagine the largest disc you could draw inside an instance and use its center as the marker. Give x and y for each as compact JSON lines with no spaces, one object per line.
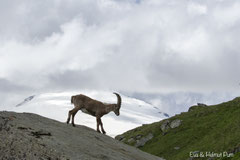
{"x":204,"y":129}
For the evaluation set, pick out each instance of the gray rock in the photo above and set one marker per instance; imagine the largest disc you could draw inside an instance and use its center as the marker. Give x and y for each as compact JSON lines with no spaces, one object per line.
{"x":120,"y":138}
{"x":141,"y":142}
{"x":175,"y":123}
{"x":165,"y":125}
{"x":30,"y":136}
{"x":131,"y":140}
{"x":176,"y":148}
{"x":202,"y":104}
{"x":138,"y":136}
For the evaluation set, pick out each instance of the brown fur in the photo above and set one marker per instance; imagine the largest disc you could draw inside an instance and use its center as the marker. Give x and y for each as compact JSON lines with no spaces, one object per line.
{"x":93,"y":107}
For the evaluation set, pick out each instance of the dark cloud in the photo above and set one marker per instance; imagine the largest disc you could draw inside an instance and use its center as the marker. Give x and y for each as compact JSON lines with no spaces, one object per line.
{"x":72,"y":80}
{"x":8,"y":86}
{"x":186,"y":75}
{"x":10,"y":93}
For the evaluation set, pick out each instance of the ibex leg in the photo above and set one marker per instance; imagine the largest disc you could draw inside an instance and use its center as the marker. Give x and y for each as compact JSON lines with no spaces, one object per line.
{"x":98,"y":123}
{"x":102,"y":127}
{"x":69,"y":115}
{"x":75,"y":110}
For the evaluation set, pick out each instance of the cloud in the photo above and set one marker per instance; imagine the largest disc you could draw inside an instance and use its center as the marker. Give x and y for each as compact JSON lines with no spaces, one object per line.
{"x":177,"y":102}
{"x":11,"y":86}
{"x":10,"y":93}
{"x":134,"y":46}
{"x":197,"y":9}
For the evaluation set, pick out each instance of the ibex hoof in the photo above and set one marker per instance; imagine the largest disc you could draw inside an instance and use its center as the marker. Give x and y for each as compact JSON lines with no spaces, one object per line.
{"x":73,"y":125}
{"x":68,"y":120}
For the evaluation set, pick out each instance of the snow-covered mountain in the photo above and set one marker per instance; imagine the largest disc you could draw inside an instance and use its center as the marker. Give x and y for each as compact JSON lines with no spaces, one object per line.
{"x":133,"y":112}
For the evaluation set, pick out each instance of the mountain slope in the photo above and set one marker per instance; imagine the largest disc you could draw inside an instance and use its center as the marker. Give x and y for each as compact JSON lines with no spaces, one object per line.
{"x":213,"y":131}
{"x":133,"y":112}
{"x":30,"y":136}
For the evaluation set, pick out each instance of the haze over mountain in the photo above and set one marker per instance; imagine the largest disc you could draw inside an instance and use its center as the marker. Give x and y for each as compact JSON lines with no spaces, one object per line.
{"x":133,"y":113}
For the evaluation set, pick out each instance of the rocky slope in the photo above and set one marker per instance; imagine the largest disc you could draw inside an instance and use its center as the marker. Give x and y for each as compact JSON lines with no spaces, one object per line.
{"x":204,"y":132}
{"x":30,"y":136}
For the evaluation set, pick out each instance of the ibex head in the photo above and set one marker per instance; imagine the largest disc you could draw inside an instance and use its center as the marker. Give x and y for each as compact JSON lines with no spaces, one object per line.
{"x":118,"y":105}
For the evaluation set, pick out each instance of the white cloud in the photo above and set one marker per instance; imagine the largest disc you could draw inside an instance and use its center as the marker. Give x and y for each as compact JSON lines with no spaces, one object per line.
{"x":197,"y":9}
{"x":192,"y":46}
{"x":227,"y":16}
{"x":149,"y":46}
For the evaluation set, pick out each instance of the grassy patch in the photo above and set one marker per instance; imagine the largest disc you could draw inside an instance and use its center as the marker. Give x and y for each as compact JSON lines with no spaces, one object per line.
{"x":213,"y":128}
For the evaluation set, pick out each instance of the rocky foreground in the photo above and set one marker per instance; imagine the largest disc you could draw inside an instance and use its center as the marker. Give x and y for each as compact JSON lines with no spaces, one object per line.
{"x":33,"y":137}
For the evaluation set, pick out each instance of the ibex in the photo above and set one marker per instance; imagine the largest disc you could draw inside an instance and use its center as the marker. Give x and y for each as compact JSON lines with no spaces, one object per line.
{"x":94,"y":108}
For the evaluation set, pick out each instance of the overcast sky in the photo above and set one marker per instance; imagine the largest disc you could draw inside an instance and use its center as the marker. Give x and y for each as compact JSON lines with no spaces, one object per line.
{"x":134,"y":46}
